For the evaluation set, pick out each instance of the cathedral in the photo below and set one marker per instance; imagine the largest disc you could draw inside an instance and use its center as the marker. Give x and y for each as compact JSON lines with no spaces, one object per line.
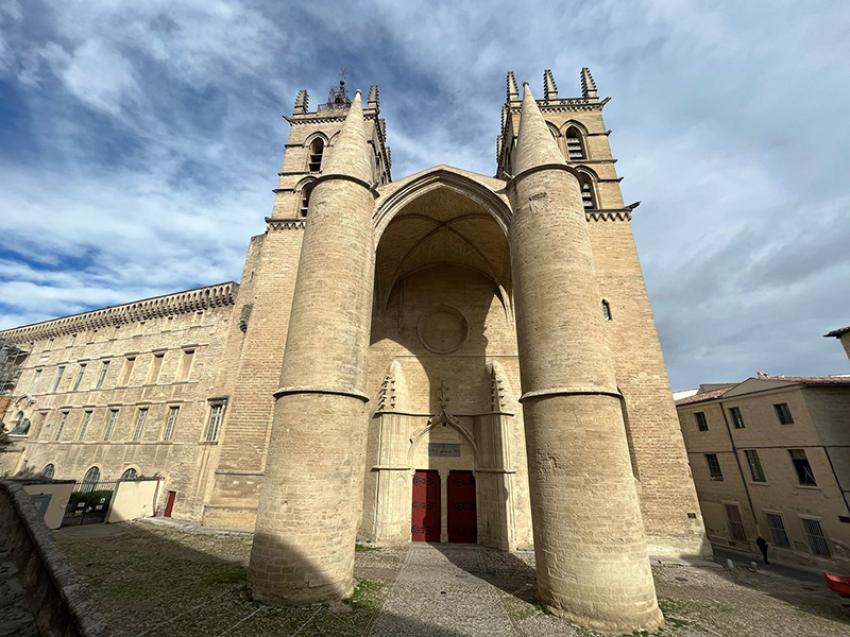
{"x":442,"y":357}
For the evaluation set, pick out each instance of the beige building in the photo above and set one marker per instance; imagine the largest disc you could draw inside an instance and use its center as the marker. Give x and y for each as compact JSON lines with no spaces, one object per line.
{"x":444,"y":357}
{"x":771,"y":456}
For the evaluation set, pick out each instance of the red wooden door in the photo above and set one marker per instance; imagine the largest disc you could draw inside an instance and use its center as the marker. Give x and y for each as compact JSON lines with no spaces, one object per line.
{"x":462,"y":518}
{"x":425,"y":520}
{"x":169,"y":505}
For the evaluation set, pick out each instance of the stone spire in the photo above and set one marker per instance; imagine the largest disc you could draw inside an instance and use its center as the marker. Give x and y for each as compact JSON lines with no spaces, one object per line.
{"x":373,"y":101}
{"x":588,"y":86}
{"x":535,"y":144}
{"x":350,"y":154}
{"x":302,"y":102}
{"x":550,"y":89}
{"x":512,"y":90}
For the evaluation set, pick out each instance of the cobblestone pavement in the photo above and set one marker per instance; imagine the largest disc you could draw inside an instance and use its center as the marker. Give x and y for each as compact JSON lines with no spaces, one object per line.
{"x":440,"y":590}
{"x":171,"y":580}
{"x":16,"y":619}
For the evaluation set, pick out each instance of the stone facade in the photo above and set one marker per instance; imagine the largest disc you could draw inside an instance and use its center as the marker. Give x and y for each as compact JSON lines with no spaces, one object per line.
{"x":779,"y":474}
{"x":495,"y":328}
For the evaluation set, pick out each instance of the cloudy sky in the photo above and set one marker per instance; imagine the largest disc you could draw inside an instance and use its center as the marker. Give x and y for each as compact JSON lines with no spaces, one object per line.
{"x":139,"y":143}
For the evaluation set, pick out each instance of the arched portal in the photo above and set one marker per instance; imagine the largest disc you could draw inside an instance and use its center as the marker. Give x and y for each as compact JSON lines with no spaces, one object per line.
{"x":442,"y":313}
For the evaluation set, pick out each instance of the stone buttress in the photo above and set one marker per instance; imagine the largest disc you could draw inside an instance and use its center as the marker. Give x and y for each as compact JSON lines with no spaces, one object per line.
{"x":310,"y":500}
{"x":590,"y":546}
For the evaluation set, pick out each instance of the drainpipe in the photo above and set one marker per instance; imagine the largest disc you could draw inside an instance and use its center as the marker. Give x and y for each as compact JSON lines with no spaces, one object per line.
{"x":738,"y":462}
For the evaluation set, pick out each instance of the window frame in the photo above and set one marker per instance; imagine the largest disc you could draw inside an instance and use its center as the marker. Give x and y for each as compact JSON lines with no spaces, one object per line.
{"x":806,"y":521}
{"x":101,"y":374}
{"x":785,"y":542}
{"x":800,"y":469}
{"x":717,"y":475}
{"x":754,"y":463}
{"x":783,"y":413}
{"x":701,"y":420}
{"x":112,"y":415}
{"x":171,"y":422}
{"x":737,"y":418}
{"x":139,"y":427}
{"x":213,"y":429}
{"x":85,"y":420}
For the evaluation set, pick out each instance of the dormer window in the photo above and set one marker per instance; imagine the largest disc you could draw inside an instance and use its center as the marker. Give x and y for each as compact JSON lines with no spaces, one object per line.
{"x":575,"y":145}
{"x":317,"y":149}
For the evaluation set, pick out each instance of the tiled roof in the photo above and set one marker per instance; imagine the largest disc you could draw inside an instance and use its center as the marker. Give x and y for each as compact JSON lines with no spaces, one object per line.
{"x":841,"y":331}
{"x":698,"y":398}
{"x":843,"y":379}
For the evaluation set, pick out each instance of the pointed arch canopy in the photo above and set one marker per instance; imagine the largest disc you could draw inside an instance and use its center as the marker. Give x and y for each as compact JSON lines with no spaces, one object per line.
{"x":465,"y":184}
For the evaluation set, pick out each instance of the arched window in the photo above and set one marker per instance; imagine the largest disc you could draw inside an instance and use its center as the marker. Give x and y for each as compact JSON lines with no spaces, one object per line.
{"x":575,"y":144}
{"x":606,"y":310}
{"x":317,"y":149}
{"x":130,"y":474}
{"x":588,"y":198}
{"x":304,"y":208}
{"x":90,"y":480}
{"x":49,"y":471}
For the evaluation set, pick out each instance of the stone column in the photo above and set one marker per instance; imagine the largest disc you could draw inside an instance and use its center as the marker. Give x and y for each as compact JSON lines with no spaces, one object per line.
{"x":589,"y":541}
{"x":310,"y":501}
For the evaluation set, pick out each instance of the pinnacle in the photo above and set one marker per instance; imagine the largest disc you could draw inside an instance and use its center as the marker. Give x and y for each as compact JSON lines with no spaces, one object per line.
{"x":350,"y":154}
{"x":535,"y":144}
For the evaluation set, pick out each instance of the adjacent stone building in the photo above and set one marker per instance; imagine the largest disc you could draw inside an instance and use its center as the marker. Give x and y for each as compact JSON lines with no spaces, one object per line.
{"x":447,"y":357}
{"x":770,"y":456}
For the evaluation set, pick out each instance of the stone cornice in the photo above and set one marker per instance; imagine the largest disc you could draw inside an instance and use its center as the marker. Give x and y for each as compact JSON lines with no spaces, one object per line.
{"x":285,"y":224}
{"x":565,"y":105}
{"x":218,"y":295}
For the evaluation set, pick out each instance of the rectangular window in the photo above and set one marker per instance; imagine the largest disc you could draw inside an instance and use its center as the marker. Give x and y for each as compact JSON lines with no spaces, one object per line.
{"x":713,"y":466}
{"x":783,"y":413}
{"x":214,"y":422}
{"x":801,"y":465}
{"x":185,"y":364}
{"x":62,"y":420}
{"x":737,"y":418}
{"x":816,"y":538}
{"x":140,"y":424}
{"x":702,"y":421}
{"x":79,"y":378}
{"x":756,"y":471}
{"x":171,"y":423}
{"x":111,"y":420}
{"x":101,"y":375}
{"x":126,"y":371}
{"x":156,"y":365}
{"x":777,"y":530}
{"x":36,"y":377}
{"x":60,"y":372}
{"x":84,"y":425}
{"x":736,"y":525}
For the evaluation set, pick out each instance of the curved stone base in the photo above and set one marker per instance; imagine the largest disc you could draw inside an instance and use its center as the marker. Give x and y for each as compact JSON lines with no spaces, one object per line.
{"x":651,"y":621}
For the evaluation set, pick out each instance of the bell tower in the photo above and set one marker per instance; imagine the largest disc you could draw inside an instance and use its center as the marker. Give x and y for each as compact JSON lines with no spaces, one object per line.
{"x":312,"y":135}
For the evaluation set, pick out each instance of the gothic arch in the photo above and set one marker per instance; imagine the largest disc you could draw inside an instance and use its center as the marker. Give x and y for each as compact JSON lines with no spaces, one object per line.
{"x":442,"y":177}
{"x":442,"y":418}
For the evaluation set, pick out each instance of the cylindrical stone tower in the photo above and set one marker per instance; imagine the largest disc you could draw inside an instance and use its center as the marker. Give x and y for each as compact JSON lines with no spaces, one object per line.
{"x":589,"y":541}
{"x":303,"y":549}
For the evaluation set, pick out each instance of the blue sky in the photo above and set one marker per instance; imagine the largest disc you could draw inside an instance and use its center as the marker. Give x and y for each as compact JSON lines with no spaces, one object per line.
{"x":139,"y":144}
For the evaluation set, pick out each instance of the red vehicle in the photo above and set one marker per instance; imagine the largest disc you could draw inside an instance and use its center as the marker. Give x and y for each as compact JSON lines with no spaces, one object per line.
{"x":839,"y":583}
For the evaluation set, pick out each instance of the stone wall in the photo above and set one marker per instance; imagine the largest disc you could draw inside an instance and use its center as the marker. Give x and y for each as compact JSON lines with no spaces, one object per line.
{"x":148,"y":357}
{"x":35,"y":578}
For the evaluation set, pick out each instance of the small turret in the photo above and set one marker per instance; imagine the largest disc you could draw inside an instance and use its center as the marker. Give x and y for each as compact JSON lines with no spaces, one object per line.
{"x":550,"y":89}
{"x":512,"y":90}
{"x":374,"y":100}
{"x":588,"y":86}
{"x":302,"y":103}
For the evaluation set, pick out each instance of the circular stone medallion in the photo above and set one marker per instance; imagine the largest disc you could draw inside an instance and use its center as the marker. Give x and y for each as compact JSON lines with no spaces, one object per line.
{"x":442,"y":330}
